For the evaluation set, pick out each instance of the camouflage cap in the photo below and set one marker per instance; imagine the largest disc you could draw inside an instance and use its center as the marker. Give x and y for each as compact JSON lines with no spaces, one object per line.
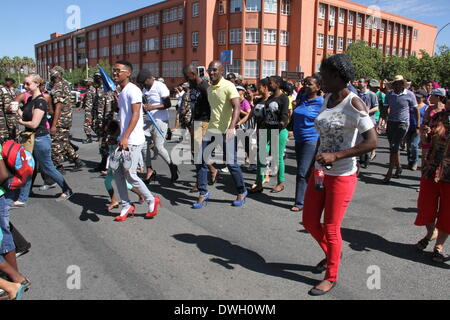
{"x":97,"y":74}
{"x":57,"y":72}
{"x":88,"y":80}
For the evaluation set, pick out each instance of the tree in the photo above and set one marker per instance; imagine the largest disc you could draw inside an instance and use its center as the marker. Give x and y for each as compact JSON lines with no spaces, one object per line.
{"x":366,"y":60}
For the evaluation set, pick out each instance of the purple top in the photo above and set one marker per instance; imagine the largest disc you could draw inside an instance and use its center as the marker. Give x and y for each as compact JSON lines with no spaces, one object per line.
{"x":245,"y":106}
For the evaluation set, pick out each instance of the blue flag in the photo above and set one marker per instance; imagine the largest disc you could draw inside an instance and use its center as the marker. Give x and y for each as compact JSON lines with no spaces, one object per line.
{"x":152,"y":120}
{"x":108,"y":83}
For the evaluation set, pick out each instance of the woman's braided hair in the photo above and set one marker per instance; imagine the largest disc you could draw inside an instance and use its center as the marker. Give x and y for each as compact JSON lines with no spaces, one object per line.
{"x":340,"y":64}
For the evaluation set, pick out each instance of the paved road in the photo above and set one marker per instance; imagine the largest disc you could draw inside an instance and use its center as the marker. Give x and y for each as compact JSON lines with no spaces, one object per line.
{"x":256,"y":252}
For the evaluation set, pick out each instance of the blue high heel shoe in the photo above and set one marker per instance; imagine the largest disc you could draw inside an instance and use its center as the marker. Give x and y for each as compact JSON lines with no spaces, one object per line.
{"x":242,"y":202}
{"x":199,"y":205}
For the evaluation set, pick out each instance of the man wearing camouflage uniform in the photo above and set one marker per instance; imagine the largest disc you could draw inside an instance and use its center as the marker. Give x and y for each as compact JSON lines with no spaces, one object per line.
{"x":62,"y":121}
{"x":8,"y":119}
{"x":88,"y":103}
{"x":103,"y":106}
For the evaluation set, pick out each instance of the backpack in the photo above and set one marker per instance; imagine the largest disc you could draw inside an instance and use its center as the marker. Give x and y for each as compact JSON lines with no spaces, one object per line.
{"x":20,"y":163}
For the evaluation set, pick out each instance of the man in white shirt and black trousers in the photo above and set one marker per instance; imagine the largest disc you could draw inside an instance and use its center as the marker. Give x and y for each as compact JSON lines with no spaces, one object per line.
{"x":131,"y":139}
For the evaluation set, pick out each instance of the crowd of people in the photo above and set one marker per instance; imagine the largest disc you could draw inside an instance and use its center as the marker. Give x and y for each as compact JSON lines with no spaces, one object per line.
{"x":334,"y":119}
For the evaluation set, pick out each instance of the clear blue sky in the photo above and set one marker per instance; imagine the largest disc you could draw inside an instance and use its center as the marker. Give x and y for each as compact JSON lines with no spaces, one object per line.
{"x":34,"y":21}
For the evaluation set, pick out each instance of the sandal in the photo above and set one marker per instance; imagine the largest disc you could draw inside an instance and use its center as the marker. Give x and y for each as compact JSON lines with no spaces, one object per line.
{"x":296,"y":209}
{"x":438,"y":256}
{"x":256,"y":189}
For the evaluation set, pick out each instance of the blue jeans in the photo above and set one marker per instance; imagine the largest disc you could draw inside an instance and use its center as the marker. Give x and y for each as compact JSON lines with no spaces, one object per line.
{"x":412,"y":142}
{"x":304,"y":152}
{"x":7,"y":243}
{"x":42,"y":155}
{"x":230,"y":150}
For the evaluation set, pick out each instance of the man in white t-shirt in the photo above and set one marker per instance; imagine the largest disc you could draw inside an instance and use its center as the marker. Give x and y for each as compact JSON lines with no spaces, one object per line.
{"x":131,"y":138}
{"x":157,"y":97}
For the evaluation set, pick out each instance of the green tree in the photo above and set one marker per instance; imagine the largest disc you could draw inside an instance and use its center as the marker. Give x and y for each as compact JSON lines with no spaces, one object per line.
{"x":443,"y":66}
{"x":366,"y":60}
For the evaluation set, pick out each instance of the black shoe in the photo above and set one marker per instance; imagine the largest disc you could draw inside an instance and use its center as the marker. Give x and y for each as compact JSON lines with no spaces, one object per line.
{"x":169,"y":135}
{"x":316,"y":292}
{"x":173,"y":172}
{"x":88,"y":140}
{"x":78,"y":165}
{"x":152,"y":178}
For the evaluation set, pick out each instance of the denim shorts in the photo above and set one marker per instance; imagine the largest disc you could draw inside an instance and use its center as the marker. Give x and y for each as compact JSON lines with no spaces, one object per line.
{"x":7,"y":242}
{"x":396,"y":131}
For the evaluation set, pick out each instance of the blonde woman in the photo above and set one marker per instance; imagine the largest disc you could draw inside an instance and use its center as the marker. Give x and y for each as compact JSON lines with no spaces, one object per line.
{"x":33,"y":117}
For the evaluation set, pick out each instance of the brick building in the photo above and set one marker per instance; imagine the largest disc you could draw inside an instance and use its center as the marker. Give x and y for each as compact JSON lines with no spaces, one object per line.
{"x":266,"y":36}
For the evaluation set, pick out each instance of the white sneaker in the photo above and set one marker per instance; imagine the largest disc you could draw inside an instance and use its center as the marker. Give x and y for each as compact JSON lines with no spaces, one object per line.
{"x":46,"y":187}
{"x":114,"y":159}
{"x":126,"y":160}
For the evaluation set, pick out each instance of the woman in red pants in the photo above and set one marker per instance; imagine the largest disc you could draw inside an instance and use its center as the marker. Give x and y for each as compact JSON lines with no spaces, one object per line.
{"x":434,"y":197}
{"x":343,"y":115}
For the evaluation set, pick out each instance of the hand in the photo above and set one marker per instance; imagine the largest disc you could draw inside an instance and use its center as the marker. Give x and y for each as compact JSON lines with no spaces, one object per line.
{"x":52,"y":131}
{"x":231,"y":133}
{"x":326,"y":158}
{"x":148,"y":107}
{"x":123,"y":144}
{"x":281,"y":125}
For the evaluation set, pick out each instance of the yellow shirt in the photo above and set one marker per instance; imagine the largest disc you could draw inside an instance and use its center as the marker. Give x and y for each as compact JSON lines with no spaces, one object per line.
{"x":219,"y":98}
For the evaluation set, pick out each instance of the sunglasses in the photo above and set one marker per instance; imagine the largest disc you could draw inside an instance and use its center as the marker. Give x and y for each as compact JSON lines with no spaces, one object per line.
{"x":212,"y":70}
{"x":119,"y":70}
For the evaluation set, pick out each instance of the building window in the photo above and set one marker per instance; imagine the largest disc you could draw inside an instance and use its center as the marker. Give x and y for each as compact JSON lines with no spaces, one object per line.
{"x":252,"y":36}
{"x":374,"y":45}
{"x":269,"y":68}
{"x":320,"y":40}
{"x":394,"y":51}
{"x":332,"y":16}
{"x":413,"y":53}
{"x":284,"y":38}
{"x":381,"y":47}
{"x":195,"y":39}
{"x":132,"y":25}
{"x":253,"y":5}
{"x":181,"y":12}
{"x":55,"y":46}
{"x":331,"y":42}
{"x":222,"y":38}
{"x":93,"y":53}
{"x":180,"y":40}
{"x":402,"y":31}
{"x":283,"y":66}
{"x":61,"y":58}
{"x":341,"y":16}
{"x":69,"y":56}
{"x":50,"y":60}
{"x":383,"y":26}
{"x":321,"y":11}
{"x":117,"y":49}
{"x":286,"y":7}
{"x":221,"y":7}
{"x":195,"y":9}
{"x":340,"y":43}
{"x":235,"y":5}
{"x":349,"y":42}
{"x":68,"y":42}
{"x":270,"y":6}
{"x":93,"y":35}
{"x":104,"y":32}
{"x":415,"y":34}
{"x":368,"y":22}
{"x":116,"y":29}
{"x":270,"y":36}
{"x":351,"y":18}
{"x":132,"y":47}
{"x":235,"y":67}
{"x":359,"y":21}
{"x":152,"y":67}
{"x":235,"y":36}
{"x":150,"y":44}
{"x":251,"y":69}
{"x":396,"y":29}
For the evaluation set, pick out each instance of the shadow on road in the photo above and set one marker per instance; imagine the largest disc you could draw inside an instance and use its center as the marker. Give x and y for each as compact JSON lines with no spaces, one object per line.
{"x":228,"y":254}
{"x":367,"y":241}
{"x":93,"y":206}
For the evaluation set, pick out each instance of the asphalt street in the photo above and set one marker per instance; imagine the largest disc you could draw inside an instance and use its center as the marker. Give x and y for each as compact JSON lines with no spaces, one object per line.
{"x":259,"y":251}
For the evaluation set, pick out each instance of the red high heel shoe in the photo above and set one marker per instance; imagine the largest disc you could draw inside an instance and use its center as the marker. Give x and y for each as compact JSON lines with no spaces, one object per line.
{"x":153,"y":214}
{"x":123,"y":218}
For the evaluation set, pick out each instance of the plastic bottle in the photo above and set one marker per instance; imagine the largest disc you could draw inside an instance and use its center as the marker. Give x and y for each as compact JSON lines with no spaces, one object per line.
{"x":318,"y":178}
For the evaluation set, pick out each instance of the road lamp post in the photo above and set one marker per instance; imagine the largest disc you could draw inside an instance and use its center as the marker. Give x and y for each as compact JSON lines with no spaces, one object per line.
{"x":434,"y":43}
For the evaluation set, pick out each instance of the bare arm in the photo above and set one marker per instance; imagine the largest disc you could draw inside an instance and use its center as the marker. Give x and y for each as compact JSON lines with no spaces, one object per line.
{"x":166,"y":105}
{"x":4,"y":174}
{"x":38,"y":114}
